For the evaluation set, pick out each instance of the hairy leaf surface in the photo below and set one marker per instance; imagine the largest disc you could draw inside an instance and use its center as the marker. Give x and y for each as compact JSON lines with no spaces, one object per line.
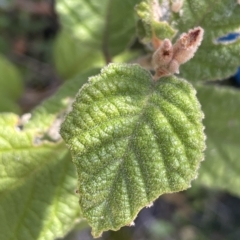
{"x":132,"y":140}
{"x":222,"y":167}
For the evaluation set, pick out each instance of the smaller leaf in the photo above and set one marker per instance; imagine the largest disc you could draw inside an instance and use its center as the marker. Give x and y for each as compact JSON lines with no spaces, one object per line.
{"x":132,"y":139}
{"x":11,"y":86}
{"x":221,"y":169}
{"x":37,"y":185}
{"x":149,"y":23}
{"x":10,"y":79}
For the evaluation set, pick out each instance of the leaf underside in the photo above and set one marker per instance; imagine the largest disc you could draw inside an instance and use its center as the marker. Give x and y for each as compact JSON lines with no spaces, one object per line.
{"x":132,"y":140}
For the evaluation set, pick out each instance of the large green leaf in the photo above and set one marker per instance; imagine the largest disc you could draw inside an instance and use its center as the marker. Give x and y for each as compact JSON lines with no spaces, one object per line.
{"x":37,"y":185}
{"x":221,"y":169}
{"x":37,"y":177}
{"x":213,"y":60}
{"x":132,"y":139}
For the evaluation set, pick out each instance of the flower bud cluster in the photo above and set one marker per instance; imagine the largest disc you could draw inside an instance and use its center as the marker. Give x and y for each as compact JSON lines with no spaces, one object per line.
{"x":167,"y":58}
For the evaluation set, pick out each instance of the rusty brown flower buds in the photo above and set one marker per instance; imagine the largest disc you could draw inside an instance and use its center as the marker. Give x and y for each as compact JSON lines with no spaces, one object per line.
{"x":167,"y":58}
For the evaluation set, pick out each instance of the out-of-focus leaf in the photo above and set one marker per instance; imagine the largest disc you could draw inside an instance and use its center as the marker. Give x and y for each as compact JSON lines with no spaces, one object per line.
{"x":221,"y":168}
{"x":11,"y":86}
{"x":100,"y":24}
{"x":92,"y":28}
{"x":37,"y":185}
{"x":132,"y":139}
{"x":7,"y":104}
{"x":71,"y":56}
{"x":37,"y":177}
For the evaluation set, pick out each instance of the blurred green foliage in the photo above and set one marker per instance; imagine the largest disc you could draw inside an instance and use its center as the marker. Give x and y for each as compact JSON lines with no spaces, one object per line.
{"x":11,"y":86}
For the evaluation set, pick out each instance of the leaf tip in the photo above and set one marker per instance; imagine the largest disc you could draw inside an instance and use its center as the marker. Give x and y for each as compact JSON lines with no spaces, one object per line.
{"x":149,"y":205}
{"x":132,"y":224}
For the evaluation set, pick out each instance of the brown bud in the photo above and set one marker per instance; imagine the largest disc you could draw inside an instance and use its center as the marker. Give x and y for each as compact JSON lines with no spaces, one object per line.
{"x":188,"y":43}
{"x":163,"y":55}
{"x":167,"y":58}
{"x":174,"y":66}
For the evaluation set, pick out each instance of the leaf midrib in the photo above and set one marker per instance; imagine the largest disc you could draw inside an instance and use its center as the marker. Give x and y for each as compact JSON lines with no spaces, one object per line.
{"x":129,"y":146}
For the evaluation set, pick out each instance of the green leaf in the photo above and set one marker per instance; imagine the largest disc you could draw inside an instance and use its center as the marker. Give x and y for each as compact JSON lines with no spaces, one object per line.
{"x":10,"y":79}
{"x":221,"y":168}
{"x":11,"y":86}
{"x":99,"y":25}
{"x":37,"y":185}
{"x":37,"y":177}
{"x":213,"y":60}
{"x":132,"y":140}
{"x":8,"y":104}
{"x":147,"y":25}
{"x":72,"y":57}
